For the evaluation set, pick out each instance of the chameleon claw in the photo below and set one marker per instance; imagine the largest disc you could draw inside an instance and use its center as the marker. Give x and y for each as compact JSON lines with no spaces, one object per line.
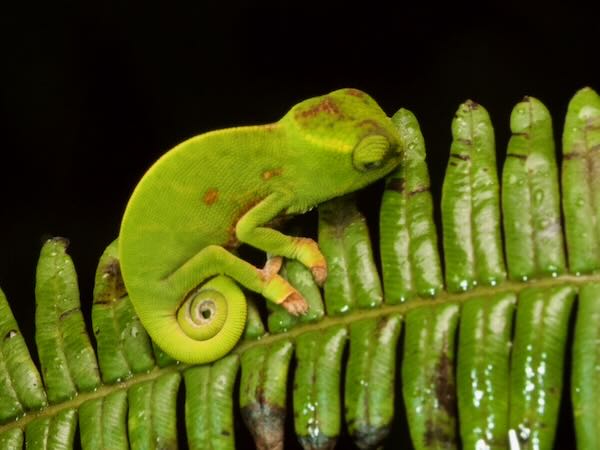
{"x":295,"y":304}
{"x":319,"y":273}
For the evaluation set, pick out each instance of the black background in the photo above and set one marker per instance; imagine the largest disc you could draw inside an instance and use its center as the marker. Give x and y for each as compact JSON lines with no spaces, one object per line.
{"x":92,"y":94}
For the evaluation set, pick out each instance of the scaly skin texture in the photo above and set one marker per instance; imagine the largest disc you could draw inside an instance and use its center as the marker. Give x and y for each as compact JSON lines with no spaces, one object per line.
{"x":214,"y":191}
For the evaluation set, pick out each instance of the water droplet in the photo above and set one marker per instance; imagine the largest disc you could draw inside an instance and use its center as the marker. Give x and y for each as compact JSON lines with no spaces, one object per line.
{"x":430,"y":292}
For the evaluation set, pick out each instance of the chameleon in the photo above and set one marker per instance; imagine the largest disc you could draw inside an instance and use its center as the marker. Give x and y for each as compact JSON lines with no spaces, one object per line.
{"x":202,"y":199}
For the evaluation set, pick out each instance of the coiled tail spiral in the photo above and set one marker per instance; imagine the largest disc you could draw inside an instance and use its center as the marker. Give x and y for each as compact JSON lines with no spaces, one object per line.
{"x":206,"y":326}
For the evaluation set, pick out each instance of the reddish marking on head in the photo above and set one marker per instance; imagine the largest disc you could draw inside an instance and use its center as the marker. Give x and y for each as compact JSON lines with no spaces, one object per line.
{"x":211,"y":196}
{"x":268,"y":174}
{"x":370,"y":125}
{"x":327,"y":106}
{"x":355,"y":93}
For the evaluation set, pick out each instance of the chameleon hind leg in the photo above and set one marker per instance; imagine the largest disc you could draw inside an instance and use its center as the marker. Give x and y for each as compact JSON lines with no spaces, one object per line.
{"x":215,"y":260}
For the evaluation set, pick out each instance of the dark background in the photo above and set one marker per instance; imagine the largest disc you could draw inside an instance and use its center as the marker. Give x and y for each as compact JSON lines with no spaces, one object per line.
{"x":91,"y":95}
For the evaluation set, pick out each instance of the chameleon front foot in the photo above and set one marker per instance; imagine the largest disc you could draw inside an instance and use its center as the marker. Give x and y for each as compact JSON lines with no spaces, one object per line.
{"x":295,"y":304}
{"x":309,"y":254}
{"x":319,"y":274}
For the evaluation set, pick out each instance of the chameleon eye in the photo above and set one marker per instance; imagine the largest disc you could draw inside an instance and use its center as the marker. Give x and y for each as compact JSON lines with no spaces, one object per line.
{"x":371,"y":152}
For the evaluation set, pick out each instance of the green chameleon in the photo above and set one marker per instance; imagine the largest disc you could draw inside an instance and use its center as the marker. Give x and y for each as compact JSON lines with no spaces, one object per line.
{"x":207,"y":195}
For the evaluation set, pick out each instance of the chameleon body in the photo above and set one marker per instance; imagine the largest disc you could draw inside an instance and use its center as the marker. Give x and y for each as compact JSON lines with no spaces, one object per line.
{"x":207,"y":195}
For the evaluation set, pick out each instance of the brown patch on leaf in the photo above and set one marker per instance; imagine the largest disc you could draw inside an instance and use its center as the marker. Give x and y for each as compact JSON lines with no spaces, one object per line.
{"x":460,"y":156}
{"x":436,"y":435}
{"x":10,"y":334}
{"x":419,"y":190}
{"x":67,"y":313}
{"x":516,"y":155}
{"x":368,"y":436}
{"x":211,"y":196}
{"x":115,"y":288}
{"x":396,"y":184}
{"x":471,"y":105}
{"x":445,"y":389}
{"x":268,"y":174}
{"x":266,"y":423}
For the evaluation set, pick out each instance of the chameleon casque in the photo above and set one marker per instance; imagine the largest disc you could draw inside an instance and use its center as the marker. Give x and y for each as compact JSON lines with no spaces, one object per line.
{"x":207,"y":195}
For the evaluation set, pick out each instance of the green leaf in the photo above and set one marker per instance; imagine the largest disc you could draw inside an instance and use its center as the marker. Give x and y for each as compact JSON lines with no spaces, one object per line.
{"x":408,"y":237}
{"x":317,"y":402}
{"x":209,"y":404}
{"x":537,"y":364}
{"x":263,"y":392}
{"x":67,"y":357}
{"x":428,"y":374}
{"x":124,"y":347}
{"x":470,"y":203}
{"x":581,"y":181}
{"x":353,"y":281}
{"x":103,"y":422}
{"x":21,"y":387}
{"x":585,"y":378}
{"x":483,"y":371}
{"x":370,"y":379}
{"x":152,"y":423}
{"x":530,"y":195}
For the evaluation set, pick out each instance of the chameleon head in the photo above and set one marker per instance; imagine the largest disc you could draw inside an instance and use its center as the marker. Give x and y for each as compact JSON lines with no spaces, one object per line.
{"x":349,"y":129}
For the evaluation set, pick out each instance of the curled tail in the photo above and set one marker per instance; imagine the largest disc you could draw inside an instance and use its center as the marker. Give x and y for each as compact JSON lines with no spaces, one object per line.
{"x":205,"y":326}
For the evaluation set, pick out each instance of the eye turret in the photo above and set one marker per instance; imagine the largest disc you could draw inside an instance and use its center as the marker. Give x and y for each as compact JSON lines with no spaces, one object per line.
{"x":372,"y":152}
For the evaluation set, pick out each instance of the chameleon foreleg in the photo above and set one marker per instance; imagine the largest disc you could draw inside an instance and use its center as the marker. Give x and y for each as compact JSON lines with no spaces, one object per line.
{"x":249,"y":229}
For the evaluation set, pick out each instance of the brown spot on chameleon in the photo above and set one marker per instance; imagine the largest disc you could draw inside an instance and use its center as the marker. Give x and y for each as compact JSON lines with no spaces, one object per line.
{"x":210,"y":196}
{"x":370,"y":125}
{"x":268,"y":174}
